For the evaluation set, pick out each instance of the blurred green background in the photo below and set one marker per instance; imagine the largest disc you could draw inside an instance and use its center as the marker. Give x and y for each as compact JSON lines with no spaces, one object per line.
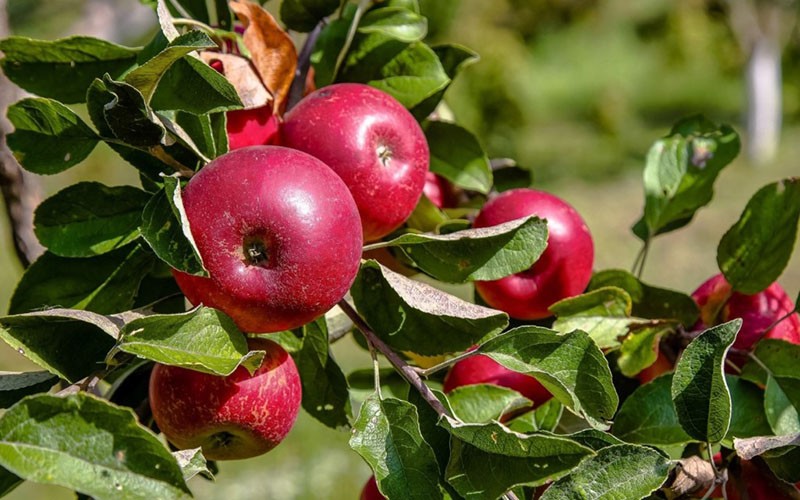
{"x":575,"y":90}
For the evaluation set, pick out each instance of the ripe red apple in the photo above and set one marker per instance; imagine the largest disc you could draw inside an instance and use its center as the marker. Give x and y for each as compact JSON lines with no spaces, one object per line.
{"x":718,"y":303}
{"x":439,"y":191}
{"x":251,"y":127}
{"x":233,"y":417}
{"x":371,"y":491}
{"x":753,"y":480}
{"x":481,"y":369}
{"x":372,"y":142}
{"x":278,"y":233}
{"x":563,"y":270}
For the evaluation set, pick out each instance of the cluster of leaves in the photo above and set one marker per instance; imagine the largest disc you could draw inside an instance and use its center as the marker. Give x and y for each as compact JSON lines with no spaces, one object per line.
{"x":100,"y":306}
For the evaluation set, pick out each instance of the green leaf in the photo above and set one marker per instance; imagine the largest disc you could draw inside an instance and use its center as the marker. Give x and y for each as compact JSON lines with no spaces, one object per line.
{"x":192,"y":462}
{"x":648,"y":416}
{"x":166,"y":229}
{"x":205,"y":132}
{"x":603,"y":313}
{"x":617,"y":472}
{"x":487,"y":253}
{"x":543,"y":418}
{"x":699,"y":390}
{"x":411,"y":73}
{"x":488,"y":459}
{"x":68,"y":343}
{"x":482,"y":403}
{"x":62,"y":69}
{"x":648,"y":301}
{"x":203,"y":339}
{"x":326,"y":395}
{"x":413,"y":316}
{"x":387,"y":436}
{"x":49,"y":137}
{"x":193,"y":86}
{"x":119,"y":109}
{"x":89,"y":445}
{"x":680,"y":172}
{"x":303,"y":15}
{"x":755,"y":250}
{"x":570,"y":366}
{"x":395,"y":22}
{"x":457,"y":156}
{"x":639,"y":350}
{"x":453,"y":58}
{"x":15,"y":386}
{"x":147,"y":76}
{"x":747,"y":417}
{"x":594,"y":439}
{"x":782,"y":395}
{"x":88,"y":219}
{"x":329,"y":46}
{"x":103,"y":284}
{"x":780,"y":405}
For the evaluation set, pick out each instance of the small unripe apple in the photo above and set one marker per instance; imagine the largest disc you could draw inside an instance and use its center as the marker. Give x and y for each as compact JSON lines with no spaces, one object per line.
{"x":718,"y":303}
{"x":373,"y":143}
{"x":233,"y":417}
{"x":481,"y":369}
{"x":563,"y":270}
{"x":371,"y":491}
{"x":278,"y":233}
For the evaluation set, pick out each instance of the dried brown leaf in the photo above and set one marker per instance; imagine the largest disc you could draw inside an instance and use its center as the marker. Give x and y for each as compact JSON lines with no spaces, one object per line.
{"x":271,"y":49}
{"x":243,"y":76}
{"x":691,"y":475}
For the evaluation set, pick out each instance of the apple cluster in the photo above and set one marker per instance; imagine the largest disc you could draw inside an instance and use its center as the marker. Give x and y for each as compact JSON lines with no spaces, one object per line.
{"x":280,"y":229}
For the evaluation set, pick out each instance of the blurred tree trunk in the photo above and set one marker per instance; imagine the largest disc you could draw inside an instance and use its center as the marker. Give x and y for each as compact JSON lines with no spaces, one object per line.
{"x":760,"y":28}
{"x":20,"y":189}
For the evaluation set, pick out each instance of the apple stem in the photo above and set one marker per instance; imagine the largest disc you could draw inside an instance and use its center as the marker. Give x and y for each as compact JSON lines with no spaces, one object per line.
{"x":427,"y":372}
{"x":406,"y":371}
{"x":298,"y":87}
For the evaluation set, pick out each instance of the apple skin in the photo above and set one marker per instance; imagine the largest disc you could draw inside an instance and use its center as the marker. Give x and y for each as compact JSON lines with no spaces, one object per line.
{"x":373,"y":143}
{"x":278,"y":233}
{"x":251,"y":127}
{"x":233,"y":417}
{"x":481,"y":369}
{"x":563,"y":270}
{"x":371,"y":491}
{"x":753,"y":480}
{"x":439,"y":191}
{"x":757,"y":311}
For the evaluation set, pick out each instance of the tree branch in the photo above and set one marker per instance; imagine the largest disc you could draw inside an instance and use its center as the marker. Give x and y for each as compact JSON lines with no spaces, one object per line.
{"x":303,"y":64}
{"x":406,"y":371}
{"x":20,"y":189}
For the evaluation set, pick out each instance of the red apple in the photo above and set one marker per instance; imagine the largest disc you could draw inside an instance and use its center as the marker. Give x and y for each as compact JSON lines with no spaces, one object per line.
{"x":439,"y":191}
{"x":481,"y":369}
{"x":372,"y":142}
{"x":278,"y":233}
{"x":752,"y":480}
{"x":251,"y":127}
{"x":563,"y":270}
{"x":718,"y":303}
{"x":233,"y":417}
{"x":371,"y":491}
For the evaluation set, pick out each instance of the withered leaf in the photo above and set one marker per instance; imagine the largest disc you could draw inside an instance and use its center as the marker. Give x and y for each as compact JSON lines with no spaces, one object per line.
{"x":240,"y":72}
{"x":272,"y":50}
